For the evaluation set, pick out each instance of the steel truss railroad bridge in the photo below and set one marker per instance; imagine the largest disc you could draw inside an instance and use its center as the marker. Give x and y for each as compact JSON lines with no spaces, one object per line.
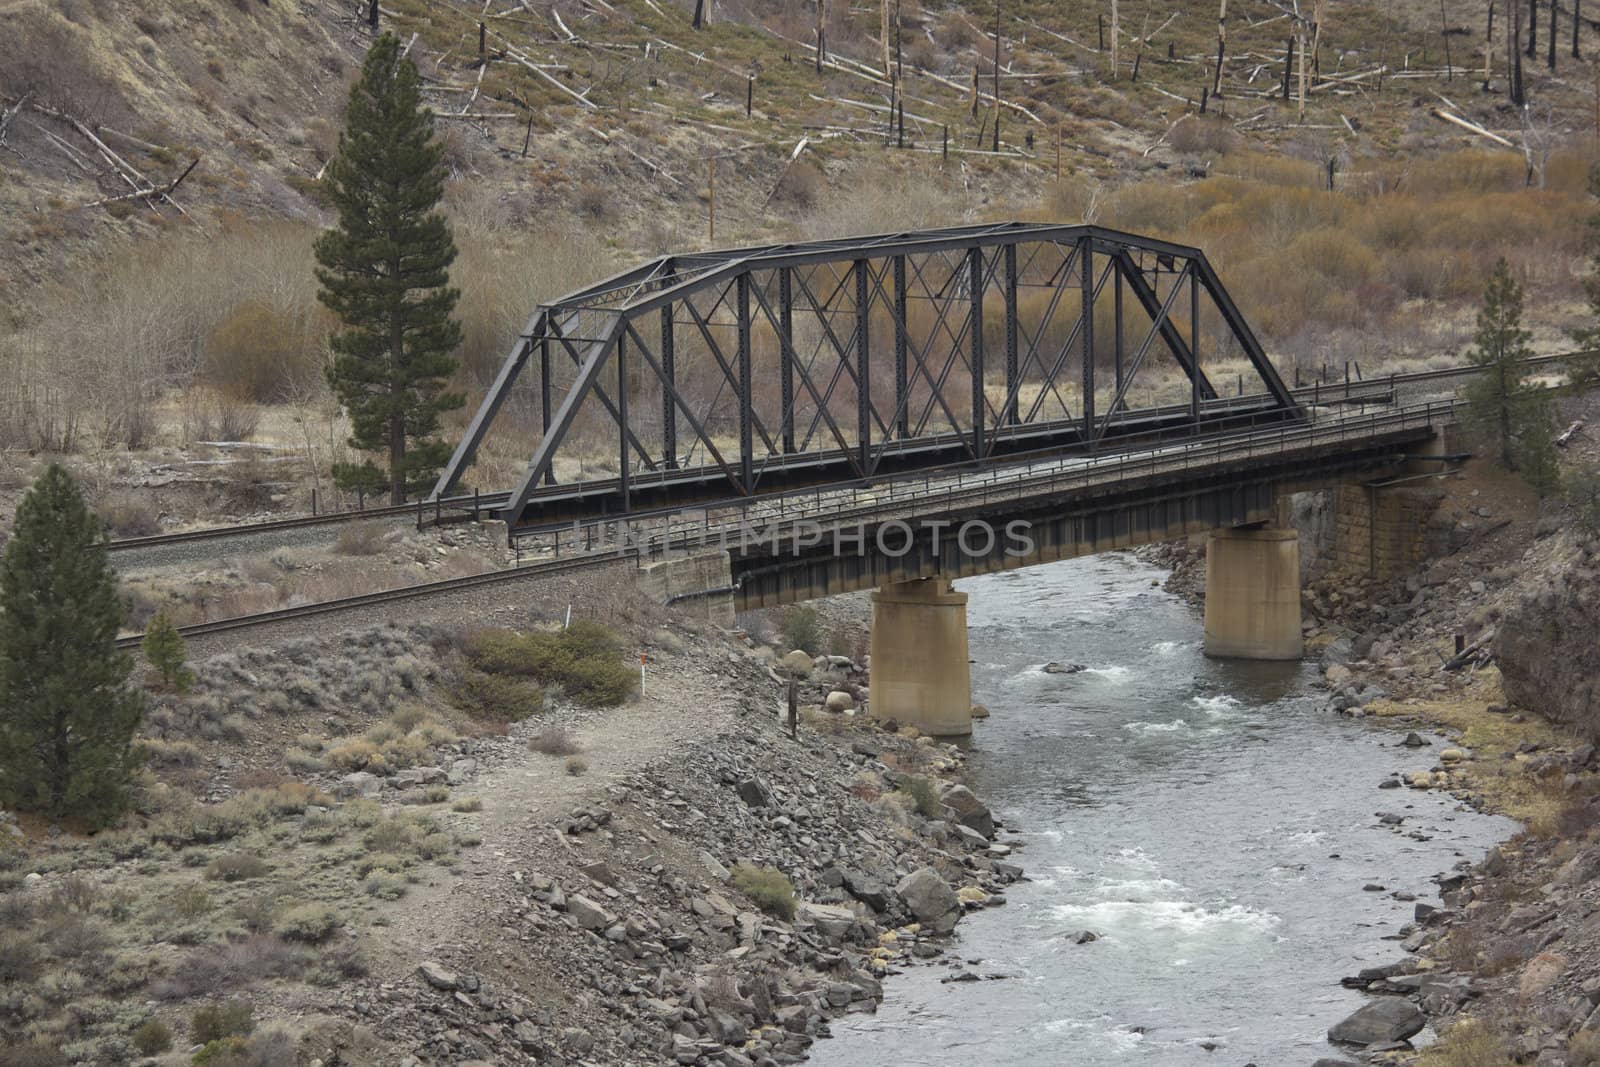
{"x":737,"y":374}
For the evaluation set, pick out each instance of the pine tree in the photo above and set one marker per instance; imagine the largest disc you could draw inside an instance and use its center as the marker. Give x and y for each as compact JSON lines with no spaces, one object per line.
{"x":384,"y":271}
{"x":1509,"y":411}
{"x":164,"y":648}
{"x":1585,"y":369}
{"x":67,"y":714}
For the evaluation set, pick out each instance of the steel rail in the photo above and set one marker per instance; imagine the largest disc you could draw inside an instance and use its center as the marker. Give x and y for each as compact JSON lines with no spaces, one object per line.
{"x":388,"y":596}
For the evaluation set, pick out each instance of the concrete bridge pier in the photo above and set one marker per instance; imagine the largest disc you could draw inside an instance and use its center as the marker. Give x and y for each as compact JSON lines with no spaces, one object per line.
{"x":919,"y":657}
{"x":1253,"y":594}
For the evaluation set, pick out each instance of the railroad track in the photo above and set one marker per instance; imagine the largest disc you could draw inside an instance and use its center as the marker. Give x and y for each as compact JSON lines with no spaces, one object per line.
{"x":523,"y":572}
{"x":465,"y":504}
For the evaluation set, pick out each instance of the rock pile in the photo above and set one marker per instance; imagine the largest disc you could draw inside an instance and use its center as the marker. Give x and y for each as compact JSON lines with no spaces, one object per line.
{"x":659,"y":907}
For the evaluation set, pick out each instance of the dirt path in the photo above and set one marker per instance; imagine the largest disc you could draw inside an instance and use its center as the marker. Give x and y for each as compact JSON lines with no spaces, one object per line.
{"x":526,"y":792}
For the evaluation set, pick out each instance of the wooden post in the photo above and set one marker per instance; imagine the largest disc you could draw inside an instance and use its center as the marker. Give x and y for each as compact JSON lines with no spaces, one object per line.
{"x":483,"y":44}
{"x":711,"y":196}
{"x":1204,"y":93}
{"x":900,"y":107}
{"x":1533,"y":28}
{"x":1288,"y":66}
{"x":1100,"y":28}
{"x":527,"y":137}
{"x":945,"y":151}
{"x":794,"y":709}
{"x":1058,"y":153}
{"x":749,"y":95}
{"x":699,"y":13}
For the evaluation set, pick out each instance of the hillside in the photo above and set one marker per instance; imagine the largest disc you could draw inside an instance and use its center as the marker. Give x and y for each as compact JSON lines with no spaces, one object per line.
{"x":589,"y":133}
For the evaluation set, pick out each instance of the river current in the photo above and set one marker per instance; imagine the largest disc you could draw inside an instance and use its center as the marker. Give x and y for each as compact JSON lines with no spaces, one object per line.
{"x":1210,"y":821}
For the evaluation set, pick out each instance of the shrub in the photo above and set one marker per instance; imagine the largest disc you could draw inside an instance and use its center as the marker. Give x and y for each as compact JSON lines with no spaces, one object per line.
{"x":576,"y":765}
{"x":496,"y":697}
{"x":152,"y":1036}
{"x":554,"y":741}
{"x":125,"y":515}
{"x":214,"y":1022}
{"x":308,"y":923}
{"x":384,"y":885}
{"x":924,"y":796}
{"x":768,"y":889}
{"x":260,"y":353}
{"x":360,"y":539}
{"x":237,"y":867}
{"x":191,"y":902}
{"x":467,"y":804}
{"x":801,"y":629}
{"x":584,"y":660}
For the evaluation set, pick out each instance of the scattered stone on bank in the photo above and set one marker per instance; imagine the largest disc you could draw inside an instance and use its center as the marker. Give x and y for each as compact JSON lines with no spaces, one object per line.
{"x":1386,"y":1019}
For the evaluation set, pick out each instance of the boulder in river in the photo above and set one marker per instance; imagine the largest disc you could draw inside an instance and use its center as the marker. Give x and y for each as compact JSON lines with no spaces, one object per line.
{"x":930,"y":899}
{"x":1388,"y":1019}
{"x":1062,"y":668}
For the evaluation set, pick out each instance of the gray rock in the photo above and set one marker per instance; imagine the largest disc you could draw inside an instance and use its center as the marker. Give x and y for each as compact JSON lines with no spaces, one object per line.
{"x":1388,"y":1019}
{"x":359,"y":784}
{"x":970,"y":811}
{"x":1414,"y":740}
{"x":755,"y":793}
{"x":1083,"y":937}
{"x":839,"y":700}
{"x":587,"y":914}
{"x":435,"y":975}
{"x":931,"y":900}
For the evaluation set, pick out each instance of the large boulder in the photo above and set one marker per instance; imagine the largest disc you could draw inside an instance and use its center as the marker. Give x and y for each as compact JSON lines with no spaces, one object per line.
{"x":839,"y":700}
{"x":1388,"y":1019}
{"x":970,"y":811}
{"x":930,"y":899}
{"x":797,"y":663}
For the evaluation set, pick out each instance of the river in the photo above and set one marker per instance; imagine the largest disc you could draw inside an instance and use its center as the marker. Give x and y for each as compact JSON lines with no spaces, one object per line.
{"x":1211,"y":821}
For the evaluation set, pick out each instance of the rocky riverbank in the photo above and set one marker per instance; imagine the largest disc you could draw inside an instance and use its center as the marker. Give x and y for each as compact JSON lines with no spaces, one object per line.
{"x":717,"y":907}
{"x":1480,"y":663}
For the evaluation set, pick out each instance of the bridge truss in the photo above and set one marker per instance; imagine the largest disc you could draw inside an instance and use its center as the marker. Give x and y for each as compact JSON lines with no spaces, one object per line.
{"x":733,"y":374}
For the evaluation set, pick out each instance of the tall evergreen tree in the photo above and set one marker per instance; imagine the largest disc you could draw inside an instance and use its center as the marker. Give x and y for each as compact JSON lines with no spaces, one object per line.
{"x":67,"y":714}
{"x":385,"y":271}
{"x":1508,"y":410}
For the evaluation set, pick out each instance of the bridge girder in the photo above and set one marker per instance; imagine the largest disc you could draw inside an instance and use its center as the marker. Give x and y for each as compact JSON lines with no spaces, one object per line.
{"x":730,"y":374}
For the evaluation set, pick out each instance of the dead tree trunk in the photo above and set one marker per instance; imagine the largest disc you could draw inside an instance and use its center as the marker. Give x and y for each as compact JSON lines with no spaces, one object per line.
{"x":1552,"y":47}
{"x":1488,"y":50}
{"x":1533,"y":28}
{"x":1116,"y":30}
{"x":699,"y":13}
{"x":1514,"y":54}
{"x":1444,"y":31}
{"x":883,"y":31}
{"x":997,"y":75}
{"x":1222,"y":47}
{"x":822,"y":33}
{"x":1288,"y":66}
